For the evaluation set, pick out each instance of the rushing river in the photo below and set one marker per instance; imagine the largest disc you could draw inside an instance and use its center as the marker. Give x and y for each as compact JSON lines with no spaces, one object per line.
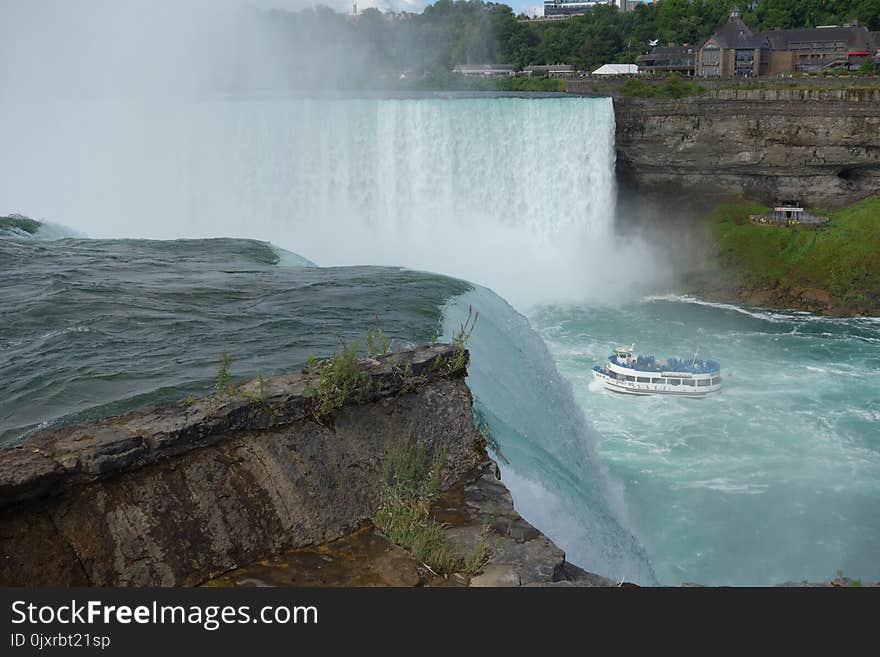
{"x":511,"y":201}
{"x":775,"y":479}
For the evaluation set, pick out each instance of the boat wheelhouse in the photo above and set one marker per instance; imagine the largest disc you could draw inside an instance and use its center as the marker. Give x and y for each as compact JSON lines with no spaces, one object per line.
{"x":629,"y":373}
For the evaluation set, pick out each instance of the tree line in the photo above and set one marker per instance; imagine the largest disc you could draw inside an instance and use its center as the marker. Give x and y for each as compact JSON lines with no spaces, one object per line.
{"x":376,"y":49}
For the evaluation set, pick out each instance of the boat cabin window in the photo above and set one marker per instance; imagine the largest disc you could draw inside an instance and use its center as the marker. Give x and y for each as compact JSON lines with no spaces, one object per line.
{"x":688,"y":382}
{"x":642,"y":379}
{"x":630,"y":378}
{"x":660,"y":381}
{"x":703,"y":382}
{"x":674,"y":382}
{"x":716,"y":380}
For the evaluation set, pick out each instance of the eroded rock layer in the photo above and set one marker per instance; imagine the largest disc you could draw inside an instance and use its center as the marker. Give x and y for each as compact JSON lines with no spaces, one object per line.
{"x":820,"y":147}
{"x":175,"y":494}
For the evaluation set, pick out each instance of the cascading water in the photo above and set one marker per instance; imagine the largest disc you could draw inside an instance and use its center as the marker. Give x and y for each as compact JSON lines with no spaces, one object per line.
{"x":513,"y":193}
{"x":549,"y":459}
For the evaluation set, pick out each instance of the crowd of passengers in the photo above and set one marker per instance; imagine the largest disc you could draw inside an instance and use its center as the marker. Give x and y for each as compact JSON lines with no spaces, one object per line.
{"x":672,"y":364}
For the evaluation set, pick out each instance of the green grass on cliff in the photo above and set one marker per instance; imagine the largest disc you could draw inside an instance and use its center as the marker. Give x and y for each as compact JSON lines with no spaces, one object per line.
{"x":408,"y":485}
{"x":841,"y":258}
{"x":672,"y":87}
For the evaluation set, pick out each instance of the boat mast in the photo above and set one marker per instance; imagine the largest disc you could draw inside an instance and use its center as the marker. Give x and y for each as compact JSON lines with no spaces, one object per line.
{"x":694,"y":363}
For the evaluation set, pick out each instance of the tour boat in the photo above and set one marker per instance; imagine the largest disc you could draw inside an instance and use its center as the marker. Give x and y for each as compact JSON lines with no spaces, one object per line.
{"x":632,"y":374}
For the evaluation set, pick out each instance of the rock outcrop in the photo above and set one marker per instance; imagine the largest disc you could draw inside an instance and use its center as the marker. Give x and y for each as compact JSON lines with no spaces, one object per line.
{"x":518,"y":554}
{"x":478,"y":510}
{"x":818,"y":146}
{"x":180,"y":493}
{"x":174,"y":494}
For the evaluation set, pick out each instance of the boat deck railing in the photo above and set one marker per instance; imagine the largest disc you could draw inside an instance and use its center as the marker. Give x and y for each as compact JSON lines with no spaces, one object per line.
{"x":672,"y":364}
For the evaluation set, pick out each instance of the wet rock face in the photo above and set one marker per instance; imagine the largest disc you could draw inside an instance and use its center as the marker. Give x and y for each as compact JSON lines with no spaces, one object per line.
{"x":476,"y":510}
{"x":481,"y":509}
{"x":174,"y":494}
{"x":821,"y":147}
{"x":363,"y":558}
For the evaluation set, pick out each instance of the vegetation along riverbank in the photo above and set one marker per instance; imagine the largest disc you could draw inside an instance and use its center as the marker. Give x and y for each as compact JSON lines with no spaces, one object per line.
{"x":833,"y":268}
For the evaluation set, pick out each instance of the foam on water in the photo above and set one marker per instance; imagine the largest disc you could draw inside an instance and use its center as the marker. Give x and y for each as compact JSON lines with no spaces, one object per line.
{"x":552,"y":469}
{"x":775,"y":479}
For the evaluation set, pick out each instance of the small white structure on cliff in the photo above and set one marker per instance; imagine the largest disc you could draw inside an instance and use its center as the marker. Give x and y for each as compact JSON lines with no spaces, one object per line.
{"x":617,"y":69}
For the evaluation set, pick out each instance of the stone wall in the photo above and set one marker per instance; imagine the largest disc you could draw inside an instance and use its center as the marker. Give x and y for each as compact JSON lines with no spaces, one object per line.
{"x":815,"y":140}
{"x":818,"y":146}
{"x":175,"y":494}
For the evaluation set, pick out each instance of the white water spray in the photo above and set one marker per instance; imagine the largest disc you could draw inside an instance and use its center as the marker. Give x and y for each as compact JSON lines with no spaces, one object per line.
{"x":516,"y":194}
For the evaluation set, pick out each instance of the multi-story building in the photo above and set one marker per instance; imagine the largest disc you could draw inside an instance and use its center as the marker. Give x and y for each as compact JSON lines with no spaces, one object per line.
{"x":563,"y":8}
{"x":824,"y":47}
{"x":670,"y":59}
{"x":735,"y":51}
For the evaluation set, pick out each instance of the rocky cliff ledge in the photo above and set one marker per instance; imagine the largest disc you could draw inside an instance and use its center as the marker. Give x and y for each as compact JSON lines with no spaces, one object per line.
{"x":477,"y":510}
{"x":818,"y":146}
{"x":182,"y":493}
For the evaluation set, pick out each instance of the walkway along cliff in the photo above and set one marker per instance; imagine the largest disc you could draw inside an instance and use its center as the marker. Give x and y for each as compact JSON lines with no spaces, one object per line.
{"x":181,"y":493}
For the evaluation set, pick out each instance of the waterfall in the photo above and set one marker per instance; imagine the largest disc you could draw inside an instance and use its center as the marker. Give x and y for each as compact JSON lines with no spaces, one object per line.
{"x":549,"y":459}
{"x":513,"y":193}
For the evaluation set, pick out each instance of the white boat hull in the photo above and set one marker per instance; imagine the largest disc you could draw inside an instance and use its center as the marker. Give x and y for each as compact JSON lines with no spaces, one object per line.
{"x":645,"y":389}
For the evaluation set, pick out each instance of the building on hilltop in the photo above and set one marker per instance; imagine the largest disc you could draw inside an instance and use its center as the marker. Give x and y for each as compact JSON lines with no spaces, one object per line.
{"x":566,"y":8}
{"x":734,"y":51}
{"x":485,"y":70}
{"x":552,"y":70}
{"x":821,"y":48}
{"x":670,"y":59}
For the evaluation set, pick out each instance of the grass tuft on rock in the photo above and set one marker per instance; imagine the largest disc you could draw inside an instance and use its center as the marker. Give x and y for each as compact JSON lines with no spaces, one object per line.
{"x":332,"y":382}
{"x":456,"y":365}
{"x":409,"y":483}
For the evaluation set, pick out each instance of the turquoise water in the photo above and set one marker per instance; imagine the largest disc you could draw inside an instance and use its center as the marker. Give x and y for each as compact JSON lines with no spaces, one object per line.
{"x":775,"y":479}
{"x":90,"y":328}
{"x":548,"y":450}
{"x":104,"y":326}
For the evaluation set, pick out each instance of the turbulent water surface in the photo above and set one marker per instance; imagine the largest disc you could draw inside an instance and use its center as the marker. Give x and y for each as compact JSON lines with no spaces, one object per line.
{"x":92,"y":327}
{"x":775,"y":479}
{"x":102,"y":326}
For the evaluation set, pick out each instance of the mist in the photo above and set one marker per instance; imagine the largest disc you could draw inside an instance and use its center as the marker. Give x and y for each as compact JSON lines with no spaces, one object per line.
{"x":128,"y":120}
{"x":197,"y":48}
